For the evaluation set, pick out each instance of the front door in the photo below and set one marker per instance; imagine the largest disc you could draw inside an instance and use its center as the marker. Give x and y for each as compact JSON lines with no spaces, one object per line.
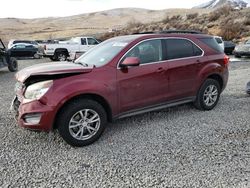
{"x":147,"y":84}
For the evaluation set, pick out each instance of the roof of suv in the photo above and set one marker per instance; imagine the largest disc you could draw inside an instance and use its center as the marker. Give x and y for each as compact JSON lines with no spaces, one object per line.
{"x":130,"y":38}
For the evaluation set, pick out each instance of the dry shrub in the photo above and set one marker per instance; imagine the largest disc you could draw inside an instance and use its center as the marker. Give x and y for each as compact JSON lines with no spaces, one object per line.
{"x":192,"y":16}
{"x":223,"y":11}
{"x":176,"y":17}
{"x":172,"y":19}
{"x":166,"y":20}
{"x":231,"y":30}
{"x":246,"y":21}
{"x":213,"y":16}
{"x":134,"y":24}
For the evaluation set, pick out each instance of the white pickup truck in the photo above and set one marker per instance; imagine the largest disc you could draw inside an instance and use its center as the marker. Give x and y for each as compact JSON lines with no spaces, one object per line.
{"x":61,"y":51}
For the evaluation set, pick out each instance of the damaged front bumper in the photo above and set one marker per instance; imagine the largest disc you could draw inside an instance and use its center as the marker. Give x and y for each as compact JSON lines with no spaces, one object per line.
{"x":33,"y":115}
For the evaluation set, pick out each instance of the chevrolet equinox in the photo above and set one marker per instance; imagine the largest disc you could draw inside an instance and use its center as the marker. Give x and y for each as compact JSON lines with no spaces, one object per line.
{"x":120,"y":77}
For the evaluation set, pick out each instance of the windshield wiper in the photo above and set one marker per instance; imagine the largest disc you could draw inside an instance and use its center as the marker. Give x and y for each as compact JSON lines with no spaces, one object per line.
{"x":81,"y":63}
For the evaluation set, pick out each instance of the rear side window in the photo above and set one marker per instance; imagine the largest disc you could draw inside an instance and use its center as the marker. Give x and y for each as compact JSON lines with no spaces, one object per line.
{"x":218,"y":40}
{"x":181,"y":48}
{"x":212,"y":43}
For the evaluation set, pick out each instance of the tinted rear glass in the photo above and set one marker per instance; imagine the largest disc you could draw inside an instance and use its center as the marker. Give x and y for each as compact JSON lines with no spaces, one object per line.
{"x":218,"y":40}
{"x":211,"y":42}
{"x":181,"y":48}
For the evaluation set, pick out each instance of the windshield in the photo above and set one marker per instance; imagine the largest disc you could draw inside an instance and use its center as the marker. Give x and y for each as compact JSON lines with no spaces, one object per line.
{"x":102,"y":53}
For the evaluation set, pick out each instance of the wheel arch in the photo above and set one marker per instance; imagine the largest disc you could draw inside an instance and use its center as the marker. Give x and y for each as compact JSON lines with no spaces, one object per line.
{"x":65,"y":50}
{"x":218,"y":78}
{"x":102,"y":101}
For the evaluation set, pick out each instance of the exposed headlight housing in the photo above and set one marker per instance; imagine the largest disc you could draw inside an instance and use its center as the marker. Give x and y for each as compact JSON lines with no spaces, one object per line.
{"x":37,"y":90}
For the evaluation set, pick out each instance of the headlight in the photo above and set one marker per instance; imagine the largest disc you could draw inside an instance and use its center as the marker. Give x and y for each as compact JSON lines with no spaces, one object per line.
{"x":37,"y":90}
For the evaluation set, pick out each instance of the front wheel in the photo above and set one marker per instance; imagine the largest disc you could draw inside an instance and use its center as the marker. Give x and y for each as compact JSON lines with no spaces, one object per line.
{"x":12,"y":65}
{"x":208,"y":95}
{"x":81,"y":122}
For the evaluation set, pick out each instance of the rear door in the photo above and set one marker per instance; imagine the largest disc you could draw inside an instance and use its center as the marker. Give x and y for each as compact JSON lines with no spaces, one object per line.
{"x":184,"y":59}
{"x":146,"y":84}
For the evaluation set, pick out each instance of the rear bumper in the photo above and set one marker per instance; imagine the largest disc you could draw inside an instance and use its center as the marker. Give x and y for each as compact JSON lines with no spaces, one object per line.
{"x":43,"y":113}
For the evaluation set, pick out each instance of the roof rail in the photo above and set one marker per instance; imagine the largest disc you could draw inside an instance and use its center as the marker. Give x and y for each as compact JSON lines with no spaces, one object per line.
{"x":147,"y":32}
{"x":182,"y":31}
{"x":170,"y":32}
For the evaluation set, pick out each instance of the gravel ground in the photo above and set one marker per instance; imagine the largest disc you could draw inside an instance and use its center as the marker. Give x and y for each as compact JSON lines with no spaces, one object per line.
{"x":176,"y":147}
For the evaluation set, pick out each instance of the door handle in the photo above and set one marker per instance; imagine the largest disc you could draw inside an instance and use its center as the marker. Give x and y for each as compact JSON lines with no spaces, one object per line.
{"x":160,"y":70}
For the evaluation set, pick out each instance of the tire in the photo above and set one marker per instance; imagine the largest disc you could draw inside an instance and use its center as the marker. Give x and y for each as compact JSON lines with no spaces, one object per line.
{"x":208,"y":95}
{"x":52,"y":58}
{"x":61,"y":56}
{"x":36,"y":56}
{"x":78,"y":114}
{"x":13,"y":65}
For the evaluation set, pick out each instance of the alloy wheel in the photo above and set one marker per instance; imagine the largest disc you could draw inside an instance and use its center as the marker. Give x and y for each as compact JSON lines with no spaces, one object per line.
{"x":210,"y":95}
{"x":84,"y":124}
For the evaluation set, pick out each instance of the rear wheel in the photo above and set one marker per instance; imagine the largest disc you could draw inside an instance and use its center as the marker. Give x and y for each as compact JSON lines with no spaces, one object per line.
{"x":61,"y":56}
{"x":81,"y":122}
{"x":208,"y":95}
{"x":12,"y":65}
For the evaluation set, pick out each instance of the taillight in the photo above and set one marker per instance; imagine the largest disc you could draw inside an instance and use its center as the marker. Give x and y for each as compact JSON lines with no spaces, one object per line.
{"x":226,"y":60}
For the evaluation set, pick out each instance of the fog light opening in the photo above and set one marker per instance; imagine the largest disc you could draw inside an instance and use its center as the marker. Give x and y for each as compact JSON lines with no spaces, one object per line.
{"x":32,"y":118}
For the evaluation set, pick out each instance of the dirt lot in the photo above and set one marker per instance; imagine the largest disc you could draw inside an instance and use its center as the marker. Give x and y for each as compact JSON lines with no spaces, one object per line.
{"x":176,"y":147}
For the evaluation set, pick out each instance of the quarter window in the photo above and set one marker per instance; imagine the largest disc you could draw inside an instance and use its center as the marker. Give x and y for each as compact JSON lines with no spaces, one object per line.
{"x":147,"y":52}
{"x":181,"y":48}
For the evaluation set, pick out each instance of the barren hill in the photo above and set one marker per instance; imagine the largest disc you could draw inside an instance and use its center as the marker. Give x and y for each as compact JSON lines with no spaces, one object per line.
{"x":84,"y":24}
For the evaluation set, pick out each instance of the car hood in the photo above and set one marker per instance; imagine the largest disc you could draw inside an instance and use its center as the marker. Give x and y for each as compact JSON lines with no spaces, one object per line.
{"x":50,"y":69}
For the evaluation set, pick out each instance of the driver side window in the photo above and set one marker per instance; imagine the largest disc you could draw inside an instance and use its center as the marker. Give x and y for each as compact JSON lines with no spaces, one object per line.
{"x":147,"y":51}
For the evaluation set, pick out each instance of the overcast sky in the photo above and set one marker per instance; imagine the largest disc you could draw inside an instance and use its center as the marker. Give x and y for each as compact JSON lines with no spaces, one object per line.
{"x":48,"y":8}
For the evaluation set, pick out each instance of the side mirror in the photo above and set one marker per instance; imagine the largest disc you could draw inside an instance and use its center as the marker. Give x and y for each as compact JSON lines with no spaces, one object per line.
{"x":130,"y":62}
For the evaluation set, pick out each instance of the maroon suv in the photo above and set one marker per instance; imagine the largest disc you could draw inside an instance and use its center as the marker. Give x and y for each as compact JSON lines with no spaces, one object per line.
{"x":121,"y":77}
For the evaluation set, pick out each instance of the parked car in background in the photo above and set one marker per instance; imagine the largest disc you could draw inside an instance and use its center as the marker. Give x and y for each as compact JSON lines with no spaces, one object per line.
{"x":6,"y":60}
{"x":121,"y":77}
{"x":25,"y":50}
{"x":220,"y":41}
{"x":242,"y":49}
{"x":13,"y":41}
{"x":229,"y":47}
{"x":61,"y":51}
{"x":248,"y":88}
